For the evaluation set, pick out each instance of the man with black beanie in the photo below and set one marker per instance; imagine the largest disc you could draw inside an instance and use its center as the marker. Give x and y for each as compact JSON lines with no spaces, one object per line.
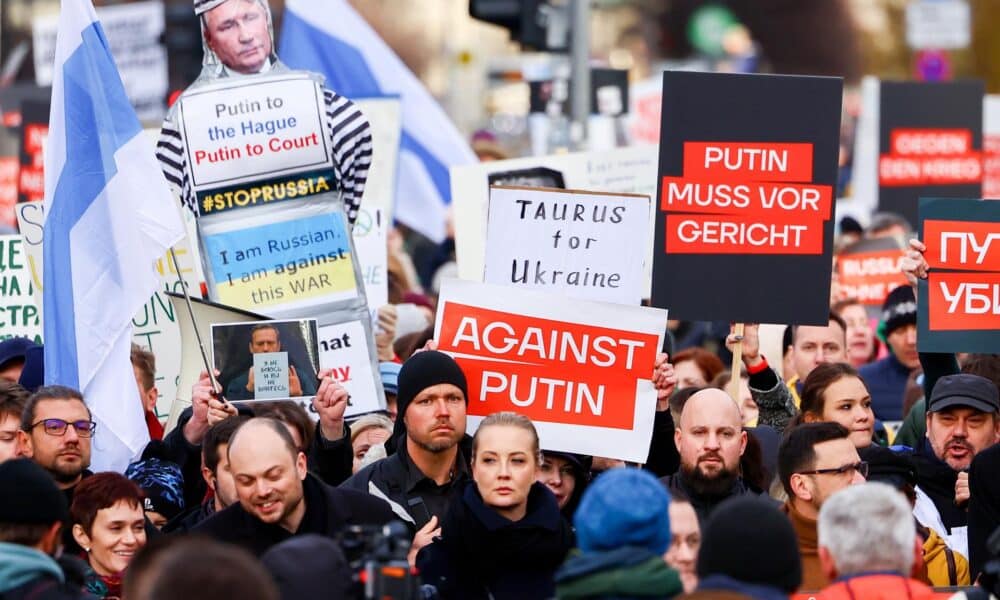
{"x":886,"y":379}
{"x":32,"y":514}
{"x":748,"y":550}
{"x":431,"y":455}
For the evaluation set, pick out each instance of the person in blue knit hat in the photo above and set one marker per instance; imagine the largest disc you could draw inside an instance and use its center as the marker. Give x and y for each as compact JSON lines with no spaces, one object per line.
{"x":622,"y":532}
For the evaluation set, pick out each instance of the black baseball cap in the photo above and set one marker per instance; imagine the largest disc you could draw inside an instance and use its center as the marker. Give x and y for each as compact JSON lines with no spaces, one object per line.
{"x":968,"y":390}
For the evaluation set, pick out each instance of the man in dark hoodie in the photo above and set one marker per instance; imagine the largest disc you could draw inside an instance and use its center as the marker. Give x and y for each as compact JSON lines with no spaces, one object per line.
{"x":623,"y":531}
{"x":32,"y":513}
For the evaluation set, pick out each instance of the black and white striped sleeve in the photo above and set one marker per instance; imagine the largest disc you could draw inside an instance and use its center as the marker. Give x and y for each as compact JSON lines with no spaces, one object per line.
{"x":170,"y":153}
{"x":351,"y":142}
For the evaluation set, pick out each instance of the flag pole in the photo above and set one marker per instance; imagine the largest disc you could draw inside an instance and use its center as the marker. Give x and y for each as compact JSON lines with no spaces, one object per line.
{"x":194,"y":323}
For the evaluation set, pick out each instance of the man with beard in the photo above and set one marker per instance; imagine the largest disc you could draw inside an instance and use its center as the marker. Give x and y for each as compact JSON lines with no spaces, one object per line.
{"x":815,"y":460}
{"x":56,"y":430}
{"x":711,"y":440}
{"x":431,"y":461}
{"x":962,"y":421}
{"x":277,"y":497}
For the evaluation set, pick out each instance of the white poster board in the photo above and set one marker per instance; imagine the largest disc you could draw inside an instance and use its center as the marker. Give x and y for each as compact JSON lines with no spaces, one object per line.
{"x":579,"y":370}
{"x":371,"y":245}
{"x":938,"y":24}
{"x":267,"y":126}
{"x":624,"y":170}
{"x":343,"y":347}
{"x":133,"y":32}
{"x":585,"y":245}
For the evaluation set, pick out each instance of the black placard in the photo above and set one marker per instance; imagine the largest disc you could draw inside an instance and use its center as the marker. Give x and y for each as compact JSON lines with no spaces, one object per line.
{"x":754,"y":109}
{"x":928,"y":107}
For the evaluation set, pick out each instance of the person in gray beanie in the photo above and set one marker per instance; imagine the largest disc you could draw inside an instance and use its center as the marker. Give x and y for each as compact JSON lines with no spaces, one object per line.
{"x":429,"y":450}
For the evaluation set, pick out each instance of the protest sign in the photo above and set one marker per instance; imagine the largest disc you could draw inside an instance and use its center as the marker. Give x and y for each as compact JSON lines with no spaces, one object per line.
{"x":623,"y":170}
{"x":584,"y":384}
{"x":643,"y":120}
{"x":272,"y":126}
{"x":959,"y":302}
{"x":294,"y":264}
{"x":273,"y":232}
{"x":869,"y":269}
{"x":370,"y":242}
{"x":586,"y":245}
{"x":18,"y":313}
{"x":191,"y":326}
{"x":349,"y":352}
{"x":271,"y":376}
{"x":134,"y":34}
{"x":266,"y":360}
{"x":991,"y":146}
{"x":930,"y":143}
{"x":747,"y":169}
{"x":385,"y":115}
{"x":154,"y":327}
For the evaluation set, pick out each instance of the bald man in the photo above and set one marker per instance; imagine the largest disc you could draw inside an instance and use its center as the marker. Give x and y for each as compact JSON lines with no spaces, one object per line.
{"x":278,"y":499}
{"x":710,"y":440}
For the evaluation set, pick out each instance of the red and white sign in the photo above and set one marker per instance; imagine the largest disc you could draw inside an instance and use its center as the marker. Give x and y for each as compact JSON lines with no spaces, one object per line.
{"x":991,"y":147}
{"x":745,"y":198}
{"x":930,"y":157}
{"x":870,"y":276}
{"x":583,"y":382}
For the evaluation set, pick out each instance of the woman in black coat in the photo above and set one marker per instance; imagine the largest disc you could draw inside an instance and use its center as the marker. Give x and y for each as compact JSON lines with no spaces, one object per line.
{"x":505,"y":537}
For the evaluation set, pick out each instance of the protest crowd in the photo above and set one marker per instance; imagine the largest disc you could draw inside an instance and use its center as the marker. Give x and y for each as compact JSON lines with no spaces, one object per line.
{"x":730,"y":402}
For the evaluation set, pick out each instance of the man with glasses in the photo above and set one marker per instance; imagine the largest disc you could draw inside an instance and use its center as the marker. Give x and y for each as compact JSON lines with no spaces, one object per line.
{"x":815,"y":460}
{"x":56,"y":430}
{"x":961,"y":422}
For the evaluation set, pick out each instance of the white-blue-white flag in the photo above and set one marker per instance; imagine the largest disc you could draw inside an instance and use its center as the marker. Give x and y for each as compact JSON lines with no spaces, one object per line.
{"x":329,"y":37}
{"x":109,"y":216}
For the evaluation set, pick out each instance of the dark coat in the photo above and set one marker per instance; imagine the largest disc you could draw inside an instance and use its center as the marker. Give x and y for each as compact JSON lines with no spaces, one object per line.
{"x":481,"y":554}
{"x":328,"y":511}
{"x":704,"y":505}
{"x":414,"y":497}
{"x":886,"y":380}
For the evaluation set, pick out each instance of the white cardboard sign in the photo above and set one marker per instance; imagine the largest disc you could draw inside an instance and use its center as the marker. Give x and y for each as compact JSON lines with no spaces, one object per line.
{"x":343,"y":347}
{"x":623,"y":170}
{"x":584,"y":245}
{"x":269,"y":126}
{"x":579,"y":370}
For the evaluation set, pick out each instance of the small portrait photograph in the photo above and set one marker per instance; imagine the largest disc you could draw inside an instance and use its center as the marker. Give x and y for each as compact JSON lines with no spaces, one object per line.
{"x":266,"y":360}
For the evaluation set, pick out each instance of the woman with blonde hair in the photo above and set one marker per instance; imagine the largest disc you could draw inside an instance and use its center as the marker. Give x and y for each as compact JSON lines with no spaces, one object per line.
{"x":504,"y":536}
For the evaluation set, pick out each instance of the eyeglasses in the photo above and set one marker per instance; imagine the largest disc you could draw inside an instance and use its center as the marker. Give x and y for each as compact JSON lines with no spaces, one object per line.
{"x":58,"y":427}
{"x":860,"y":467}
